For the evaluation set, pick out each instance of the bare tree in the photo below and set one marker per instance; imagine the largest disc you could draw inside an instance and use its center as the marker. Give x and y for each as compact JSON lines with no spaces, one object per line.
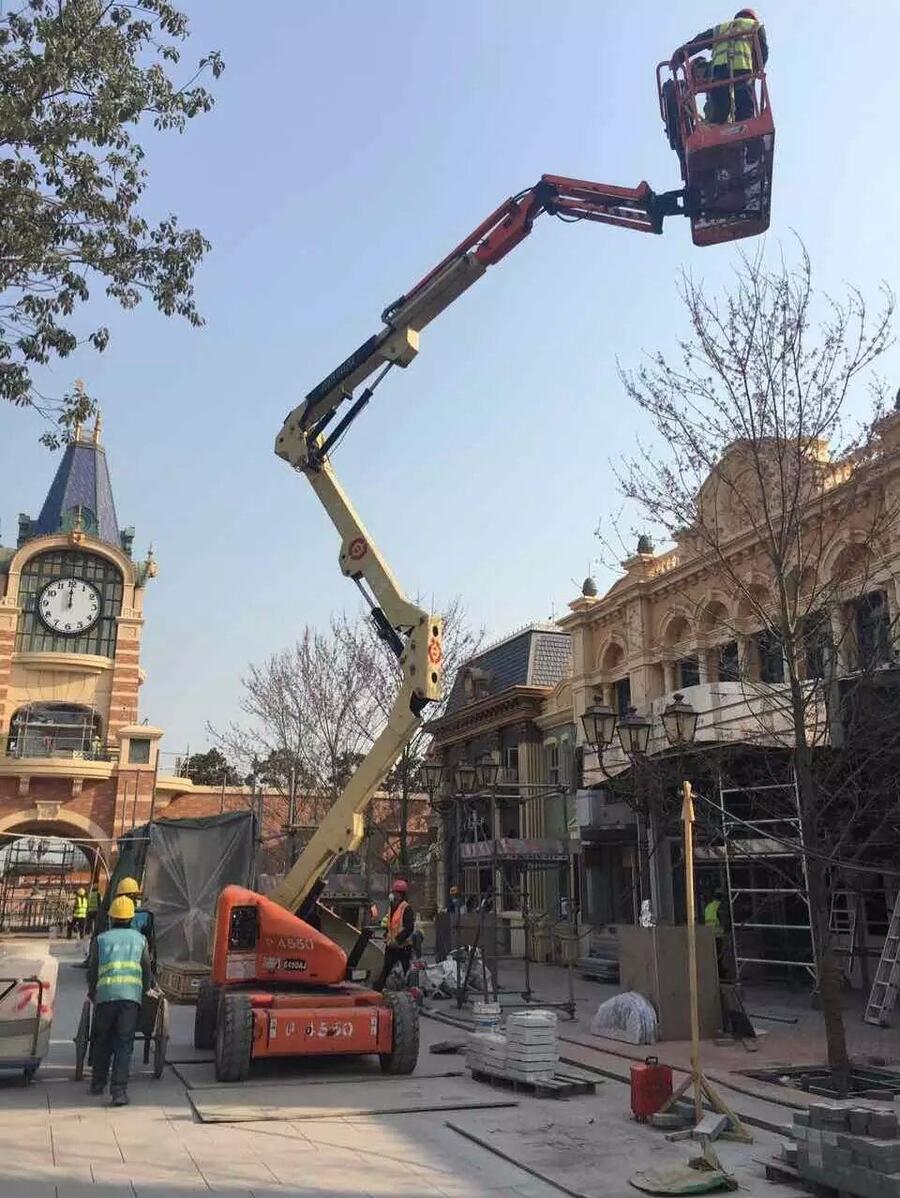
{"x":314,"y":710}
{"x":306,"y":719}
{"x":770,"y":479}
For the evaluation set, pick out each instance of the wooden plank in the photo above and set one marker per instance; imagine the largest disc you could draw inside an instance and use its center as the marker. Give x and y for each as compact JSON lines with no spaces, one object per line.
{"x":560,"y":1085}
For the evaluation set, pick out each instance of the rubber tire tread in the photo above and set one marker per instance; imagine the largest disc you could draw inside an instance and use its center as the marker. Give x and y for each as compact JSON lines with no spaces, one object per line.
{"x":205,"y":1015}
{"x":83,"y":1039}
{"x":405,"y":1053}
{"x":234,"y":1038}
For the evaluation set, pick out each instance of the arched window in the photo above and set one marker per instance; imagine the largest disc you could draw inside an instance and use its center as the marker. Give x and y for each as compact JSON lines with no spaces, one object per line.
{"x":102,"y":575}
{"x":55,"y":730}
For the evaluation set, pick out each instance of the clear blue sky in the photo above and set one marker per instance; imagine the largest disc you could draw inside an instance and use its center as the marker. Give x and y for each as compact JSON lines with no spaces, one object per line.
{"x":352,"y":145}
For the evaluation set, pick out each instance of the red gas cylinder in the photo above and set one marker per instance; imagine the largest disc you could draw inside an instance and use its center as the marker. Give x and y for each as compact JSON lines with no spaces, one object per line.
{"x":651,"y":1085}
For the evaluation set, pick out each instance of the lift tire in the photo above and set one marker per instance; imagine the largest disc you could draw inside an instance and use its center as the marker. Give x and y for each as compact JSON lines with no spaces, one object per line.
{"x":234,"y":1038}
{"x":405,"y":1053}
{"x":83,"y":1039}
{"x":205,"y":1014}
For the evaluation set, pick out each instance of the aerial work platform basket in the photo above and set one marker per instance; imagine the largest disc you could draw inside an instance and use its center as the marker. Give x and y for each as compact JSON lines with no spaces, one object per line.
{"x":723,"y":132}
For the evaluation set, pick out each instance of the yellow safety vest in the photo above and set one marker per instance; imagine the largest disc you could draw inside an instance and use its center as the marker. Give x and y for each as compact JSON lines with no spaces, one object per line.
{"x":711,"y":916}
{"x":79,"y":911}
{"x":93,"y":902}
{"x":737,"y":52}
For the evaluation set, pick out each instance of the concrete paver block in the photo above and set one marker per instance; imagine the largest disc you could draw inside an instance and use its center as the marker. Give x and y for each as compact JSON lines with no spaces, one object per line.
{"x":882,"y":1124}
{"x":710,"y":1126}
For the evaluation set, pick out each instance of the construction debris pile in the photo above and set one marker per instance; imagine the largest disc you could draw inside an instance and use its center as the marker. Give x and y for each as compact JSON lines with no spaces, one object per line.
{"x":526,"y":1051}
{"x":853,"y":1149}
{"x":443,"y":979}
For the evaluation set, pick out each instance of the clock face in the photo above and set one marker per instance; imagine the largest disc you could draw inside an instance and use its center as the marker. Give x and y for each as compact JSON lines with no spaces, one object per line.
{"x":69,"y":606}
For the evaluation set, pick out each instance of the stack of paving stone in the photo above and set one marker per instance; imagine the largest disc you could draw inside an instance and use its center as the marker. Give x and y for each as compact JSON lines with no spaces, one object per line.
{"x":849,"y":1148}
{"x":528,"y":1051}
{"x":486,"y":1052}
{"x":532,"y":1045}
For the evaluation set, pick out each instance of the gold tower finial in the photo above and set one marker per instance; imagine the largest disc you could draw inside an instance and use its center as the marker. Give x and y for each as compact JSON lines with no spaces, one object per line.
{"x":98,"y":427}
{"x":79,"y":391}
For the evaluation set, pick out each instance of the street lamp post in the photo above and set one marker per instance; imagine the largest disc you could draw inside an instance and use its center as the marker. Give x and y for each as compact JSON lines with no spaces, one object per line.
{"x":600,"y":724}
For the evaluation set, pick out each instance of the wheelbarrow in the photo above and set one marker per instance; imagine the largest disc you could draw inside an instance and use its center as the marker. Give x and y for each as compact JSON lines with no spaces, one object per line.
{"x":152,"y":1029}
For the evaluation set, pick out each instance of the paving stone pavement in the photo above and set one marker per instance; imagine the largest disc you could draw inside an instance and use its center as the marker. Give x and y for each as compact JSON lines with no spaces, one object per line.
{"x":57,"y":1142}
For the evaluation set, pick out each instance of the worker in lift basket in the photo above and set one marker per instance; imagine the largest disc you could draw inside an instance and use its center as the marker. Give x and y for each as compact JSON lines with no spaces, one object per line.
{"x":398,"y":935}
{"x":118,"y":978}
{"x":734,"y":58}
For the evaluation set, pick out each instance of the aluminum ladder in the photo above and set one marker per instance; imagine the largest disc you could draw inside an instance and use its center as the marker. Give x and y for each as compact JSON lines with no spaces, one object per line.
{"x":883,"y":996}
{"x":842,"y":922}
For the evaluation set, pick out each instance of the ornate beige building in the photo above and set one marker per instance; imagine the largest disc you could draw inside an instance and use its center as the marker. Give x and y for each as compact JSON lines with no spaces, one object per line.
{"x":673,"y":624}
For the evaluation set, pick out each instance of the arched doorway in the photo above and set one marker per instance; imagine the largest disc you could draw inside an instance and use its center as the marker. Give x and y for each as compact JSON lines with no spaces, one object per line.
{"x":42,"y":864}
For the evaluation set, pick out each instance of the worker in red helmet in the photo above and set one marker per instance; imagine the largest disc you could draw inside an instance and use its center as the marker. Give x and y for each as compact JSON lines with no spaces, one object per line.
{"x":733,"y":56}
{"x":401,"y":923}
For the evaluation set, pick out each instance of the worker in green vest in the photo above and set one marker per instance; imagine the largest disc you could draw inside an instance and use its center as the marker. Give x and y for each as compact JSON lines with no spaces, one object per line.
{"x":93,"y":903}
{"x":733,"y":56}
{"x":118,"y":978}
{"x":79,"y":913}
{"x":711,"y":914}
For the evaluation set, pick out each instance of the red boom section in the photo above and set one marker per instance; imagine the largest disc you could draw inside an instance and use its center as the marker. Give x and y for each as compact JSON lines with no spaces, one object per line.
{"x":628,"y":207}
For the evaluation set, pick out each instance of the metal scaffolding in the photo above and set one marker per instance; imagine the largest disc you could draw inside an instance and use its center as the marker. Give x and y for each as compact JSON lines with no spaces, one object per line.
{"x":35,"y":883}
{"x":515,"y":864}
{"x":767,"y":889}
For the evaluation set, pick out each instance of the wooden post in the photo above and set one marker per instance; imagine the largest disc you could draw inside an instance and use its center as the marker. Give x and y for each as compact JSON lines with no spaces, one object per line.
{"x":695,"y":1079}
{"x":687,"y":818}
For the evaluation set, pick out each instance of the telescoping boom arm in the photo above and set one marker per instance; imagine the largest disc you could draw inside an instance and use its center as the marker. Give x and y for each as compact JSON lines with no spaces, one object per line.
{"x":308,"y":435}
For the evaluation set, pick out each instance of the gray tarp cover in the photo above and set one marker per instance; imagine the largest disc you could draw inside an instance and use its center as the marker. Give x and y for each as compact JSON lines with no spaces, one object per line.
{"x":186,"y":863}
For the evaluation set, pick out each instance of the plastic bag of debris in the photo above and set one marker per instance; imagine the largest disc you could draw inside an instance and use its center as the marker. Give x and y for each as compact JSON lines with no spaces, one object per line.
{"x":628,"y":1017}
{"x":444,"y":977}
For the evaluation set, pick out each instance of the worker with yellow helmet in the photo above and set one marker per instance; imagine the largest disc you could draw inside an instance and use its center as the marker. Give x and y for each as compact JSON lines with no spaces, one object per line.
{"x":119,"y":976}
{"x":79,"y":913}
{"x":143,"y":921}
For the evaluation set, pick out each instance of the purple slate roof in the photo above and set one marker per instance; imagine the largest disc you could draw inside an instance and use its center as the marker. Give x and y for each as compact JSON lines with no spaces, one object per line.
{"x":82,"y":481}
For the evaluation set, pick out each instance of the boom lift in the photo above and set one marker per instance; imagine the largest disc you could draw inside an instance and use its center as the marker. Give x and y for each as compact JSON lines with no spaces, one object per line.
{"x":279,"y":982}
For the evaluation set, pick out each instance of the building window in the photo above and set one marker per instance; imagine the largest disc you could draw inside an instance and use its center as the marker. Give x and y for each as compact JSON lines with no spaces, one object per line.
{"x":553,"y":768}
{"x":139,"y":751}
{"x":729,"y":663}
{"x":54,"y":730}
{"x":873,"y":630}
{"x":770,"y":656}
{"x":622,"y":692}
{"x":33,"y":636}
{"x":688,"y":671}
{"x":817,"y":644}
{"x":511,"y":764}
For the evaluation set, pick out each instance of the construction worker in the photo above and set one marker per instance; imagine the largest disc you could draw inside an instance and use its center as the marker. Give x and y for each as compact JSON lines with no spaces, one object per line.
{"x":732,"y":58}
{"x":118,"y":978}
{"x":401,"y":923}
{"x":143,"y":921}
{"x":79,"y":913}
{"x":715,"y":916}
{"x":93,"y":904}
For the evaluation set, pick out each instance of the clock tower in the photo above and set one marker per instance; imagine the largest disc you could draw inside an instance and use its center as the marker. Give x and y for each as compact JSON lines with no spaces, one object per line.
{"x":72,"y":755}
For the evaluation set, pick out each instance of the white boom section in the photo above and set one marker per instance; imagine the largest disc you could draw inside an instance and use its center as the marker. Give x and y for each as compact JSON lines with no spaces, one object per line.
{"x":420,"y":660}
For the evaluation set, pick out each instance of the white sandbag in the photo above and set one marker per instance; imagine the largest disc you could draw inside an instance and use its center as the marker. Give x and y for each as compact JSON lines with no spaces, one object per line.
{"x":627,"y":1017}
